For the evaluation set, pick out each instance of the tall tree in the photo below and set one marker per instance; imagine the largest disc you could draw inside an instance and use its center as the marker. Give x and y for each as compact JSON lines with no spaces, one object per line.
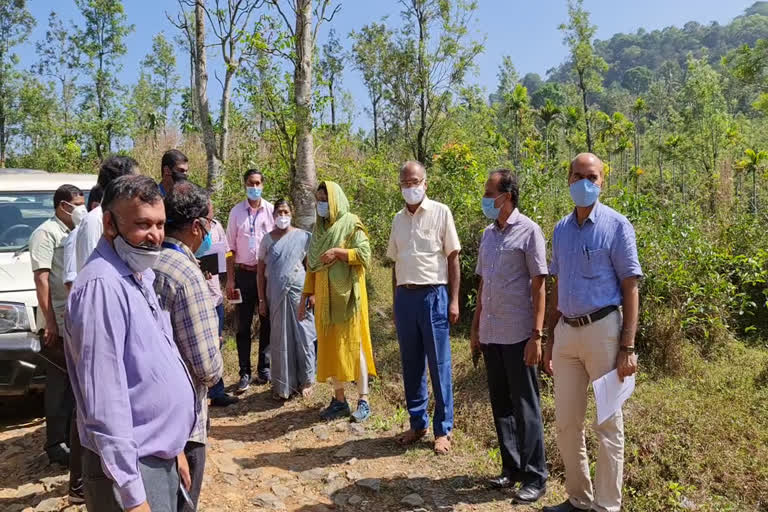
{"x":549,"y":114}
{"x":444,"y":55}
{"x":587,"y":65}
{"x":753,"y":162}
{"x":59,"y":60}
{"x":507,"y":77}
{"x":303,"y":31}
{"x":516,"y":107}
{"x":160,"y":72}
{"x":16,"y":23}
{"x":229,"y":21}
{"x":706,"y":121}
{"x":331,"y":67}
{"x":102,"y":40}
{"x":369,"y":54}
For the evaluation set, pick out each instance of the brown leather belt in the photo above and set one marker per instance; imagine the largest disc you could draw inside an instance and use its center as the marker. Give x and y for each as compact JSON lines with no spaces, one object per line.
{"x":247,"y":268}
{"x":581,"y":321}
{"x":418,"y":286}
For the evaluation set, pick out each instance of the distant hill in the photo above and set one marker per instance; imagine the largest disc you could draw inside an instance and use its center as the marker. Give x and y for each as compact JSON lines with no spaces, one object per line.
{"x":633,"y":58}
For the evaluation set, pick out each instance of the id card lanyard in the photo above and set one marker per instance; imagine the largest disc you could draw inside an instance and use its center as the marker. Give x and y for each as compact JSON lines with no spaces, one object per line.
{"x":252,"y":222}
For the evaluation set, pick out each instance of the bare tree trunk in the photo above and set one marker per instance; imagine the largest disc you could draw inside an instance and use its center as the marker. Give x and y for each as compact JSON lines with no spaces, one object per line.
{"x":421,"y":149}
{"x":304,"y":176}
{"x":583,"y":88}
{"x":333,"y":104}
{"x":201,"y":91}
{"x":376,"y":123}
{"x":225,"y":111}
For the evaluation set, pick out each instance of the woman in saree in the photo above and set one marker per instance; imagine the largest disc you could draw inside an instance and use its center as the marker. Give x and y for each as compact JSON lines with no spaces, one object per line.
{"x":281,"y":275}
{"x":338,"y":258}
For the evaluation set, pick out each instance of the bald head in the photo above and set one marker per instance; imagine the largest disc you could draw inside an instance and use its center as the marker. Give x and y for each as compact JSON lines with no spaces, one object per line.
{"x":414,"y":169}
{"x":586,"y":166}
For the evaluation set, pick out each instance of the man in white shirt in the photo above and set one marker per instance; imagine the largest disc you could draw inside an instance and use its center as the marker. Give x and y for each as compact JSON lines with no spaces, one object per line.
{"x":425,"y":248}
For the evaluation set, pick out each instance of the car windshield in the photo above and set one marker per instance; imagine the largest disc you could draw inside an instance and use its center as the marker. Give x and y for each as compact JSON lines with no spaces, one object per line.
{"x":20,"y":214}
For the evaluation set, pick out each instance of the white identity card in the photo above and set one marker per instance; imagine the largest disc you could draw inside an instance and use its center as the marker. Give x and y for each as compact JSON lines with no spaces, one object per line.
{"x":611,"y":393}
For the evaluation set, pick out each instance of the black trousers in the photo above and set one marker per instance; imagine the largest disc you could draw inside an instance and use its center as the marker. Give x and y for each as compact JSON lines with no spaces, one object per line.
{"x":249,"y":290}
{"x":195,"y":453}
{"x":514,"y":392}
{"x":59,"y":399}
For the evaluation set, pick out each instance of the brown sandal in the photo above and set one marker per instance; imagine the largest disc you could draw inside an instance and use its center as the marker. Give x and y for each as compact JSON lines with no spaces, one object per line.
{"x":410,"y":436}
{"x":442,"y":445}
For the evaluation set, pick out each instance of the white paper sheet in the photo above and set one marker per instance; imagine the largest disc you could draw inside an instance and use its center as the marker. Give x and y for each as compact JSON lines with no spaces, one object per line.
{"x":611,"y":393}
{"x":220,"y":249}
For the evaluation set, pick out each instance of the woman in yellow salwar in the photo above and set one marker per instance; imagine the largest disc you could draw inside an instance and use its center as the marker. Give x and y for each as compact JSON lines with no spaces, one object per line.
{"x":338,"y":258}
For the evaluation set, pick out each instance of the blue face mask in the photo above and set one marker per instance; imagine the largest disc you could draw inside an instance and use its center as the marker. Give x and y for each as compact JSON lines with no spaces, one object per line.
{"x":205,"y":246}
{"x":253,"y":193}
{"x":584,"y":193}
{"x":489,"y":210}
{"x":322,"y":209}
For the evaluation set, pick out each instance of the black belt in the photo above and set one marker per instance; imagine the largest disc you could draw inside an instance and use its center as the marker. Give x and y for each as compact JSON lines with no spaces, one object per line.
{"x":581,"y":321}
{"x":417,"y":286}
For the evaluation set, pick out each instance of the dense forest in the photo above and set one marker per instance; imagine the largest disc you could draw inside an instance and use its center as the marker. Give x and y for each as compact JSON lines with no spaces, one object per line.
{"x":678,"y":115}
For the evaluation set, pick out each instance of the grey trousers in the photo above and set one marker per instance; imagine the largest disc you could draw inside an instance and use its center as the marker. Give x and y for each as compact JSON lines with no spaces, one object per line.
{"x":195,"y":453}
{"x":160,"y":477}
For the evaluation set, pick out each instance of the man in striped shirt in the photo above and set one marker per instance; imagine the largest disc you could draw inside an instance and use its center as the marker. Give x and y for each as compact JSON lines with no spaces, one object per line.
{"x":183,"y":292}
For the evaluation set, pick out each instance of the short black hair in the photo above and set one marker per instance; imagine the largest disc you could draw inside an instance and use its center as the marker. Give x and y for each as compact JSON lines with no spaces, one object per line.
{"x":95,"y":196}
{"x":114,"y":167}
{"x":279,"y":203}
{"x":184,"y":204}
{"x":173,"y":157}
{"x":508,"y":183}
{"x":251,"y":172}
{"x":65,"y":193}
{"x":130,"y":187}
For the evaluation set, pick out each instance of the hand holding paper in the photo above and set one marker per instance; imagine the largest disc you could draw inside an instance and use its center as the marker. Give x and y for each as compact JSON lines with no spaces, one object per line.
{"x":611,"y":393}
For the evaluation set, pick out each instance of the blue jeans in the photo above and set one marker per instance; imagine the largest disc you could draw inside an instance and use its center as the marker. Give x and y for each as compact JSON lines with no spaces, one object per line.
{"x":423,"y":331}
{"x":218,"y":388}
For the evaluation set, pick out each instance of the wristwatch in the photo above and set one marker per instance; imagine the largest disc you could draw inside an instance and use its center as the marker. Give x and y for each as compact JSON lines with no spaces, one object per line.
{"x":630,"y":349}
{"x":539,"y":333}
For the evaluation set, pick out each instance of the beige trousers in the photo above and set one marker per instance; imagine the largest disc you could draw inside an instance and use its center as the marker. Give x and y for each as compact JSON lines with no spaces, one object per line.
{"x":582,"y":355}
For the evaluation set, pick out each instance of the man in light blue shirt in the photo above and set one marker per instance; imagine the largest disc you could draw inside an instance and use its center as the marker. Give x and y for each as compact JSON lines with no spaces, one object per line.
{"x":593,"y":322}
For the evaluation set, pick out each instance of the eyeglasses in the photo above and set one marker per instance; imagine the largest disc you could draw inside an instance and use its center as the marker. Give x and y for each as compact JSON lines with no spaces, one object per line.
{"x":208,"y":221}
{"x":411,"y":183}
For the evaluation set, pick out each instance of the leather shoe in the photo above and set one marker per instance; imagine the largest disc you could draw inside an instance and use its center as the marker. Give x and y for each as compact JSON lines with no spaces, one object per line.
{"x":224,"y":401}
{"x":501,"y":482}
{"x":565,"y":506}
{"x":529,"y":494}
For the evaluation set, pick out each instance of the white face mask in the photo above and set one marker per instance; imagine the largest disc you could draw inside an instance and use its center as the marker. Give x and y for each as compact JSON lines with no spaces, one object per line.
{"x":78,"y":214}
{"x":323,"y":209}
{"x":283,"y":221}
{"x":413,"y":195}
{"x":137,"y":258}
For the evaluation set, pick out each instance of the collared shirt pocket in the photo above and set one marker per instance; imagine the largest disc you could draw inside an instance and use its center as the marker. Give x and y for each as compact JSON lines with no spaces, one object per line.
{"x":426,"y":240}
{"x":594,"y":262}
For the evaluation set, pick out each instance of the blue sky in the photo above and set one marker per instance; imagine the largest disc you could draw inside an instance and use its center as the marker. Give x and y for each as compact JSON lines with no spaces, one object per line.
{"x":523,"y":29}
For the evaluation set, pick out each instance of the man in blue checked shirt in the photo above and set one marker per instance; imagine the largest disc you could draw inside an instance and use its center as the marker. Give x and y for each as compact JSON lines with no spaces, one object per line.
{"x":593,"y":320}
{"x":183,"y":291}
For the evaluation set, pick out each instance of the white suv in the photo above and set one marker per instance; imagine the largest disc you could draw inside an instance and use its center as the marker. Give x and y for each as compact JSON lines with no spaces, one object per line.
{"x":26,"y":200}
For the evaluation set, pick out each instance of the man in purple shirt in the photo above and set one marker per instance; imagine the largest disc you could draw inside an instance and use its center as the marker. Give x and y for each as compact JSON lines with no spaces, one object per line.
{"x":135,"y":400}
{"x":507,"y":328}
